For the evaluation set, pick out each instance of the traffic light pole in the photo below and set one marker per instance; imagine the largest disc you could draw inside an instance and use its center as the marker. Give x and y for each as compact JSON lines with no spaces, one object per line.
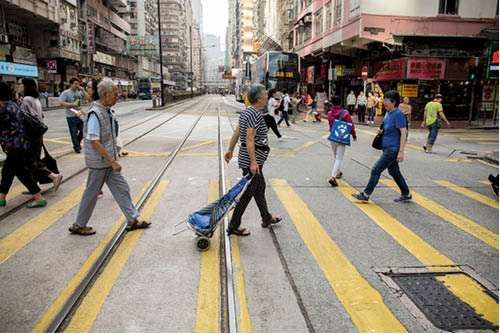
{"x":474,"y":79}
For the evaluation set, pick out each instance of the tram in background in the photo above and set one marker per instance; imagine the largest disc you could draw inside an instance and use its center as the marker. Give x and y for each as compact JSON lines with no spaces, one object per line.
{"x":144,"y":88}
{"x":241,"y":85}
{"x":278,"y":70}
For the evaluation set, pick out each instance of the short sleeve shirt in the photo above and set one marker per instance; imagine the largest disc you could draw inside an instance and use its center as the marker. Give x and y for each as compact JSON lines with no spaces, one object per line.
{"x":286,"y":102}
{"x":432,"y":108}
{"x":251,"y":118}
{"x":69,"y":96}
{"x":393,"y":121}
{"x":93,"y":127}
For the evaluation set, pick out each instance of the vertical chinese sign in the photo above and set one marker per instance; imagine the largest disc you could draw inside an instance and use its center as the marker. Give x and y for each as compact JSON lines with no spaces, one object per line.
{"x":90,"y":38}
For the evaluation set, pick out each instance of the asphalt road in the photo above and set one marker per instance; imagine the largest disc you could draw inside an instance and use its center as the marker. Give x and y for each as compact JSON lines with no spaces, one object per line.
{"x":318,"y":270}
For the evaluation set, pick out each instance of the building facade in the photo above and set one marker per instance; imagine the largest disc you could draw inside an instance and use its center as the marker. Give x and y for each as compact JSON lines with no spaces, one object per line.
{"x":419,"y":47}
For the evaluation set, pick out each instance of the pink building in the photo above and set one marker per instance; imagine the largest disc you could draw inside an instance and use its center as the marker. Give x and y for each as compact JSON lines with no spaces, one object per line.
{"x":433,"y":44}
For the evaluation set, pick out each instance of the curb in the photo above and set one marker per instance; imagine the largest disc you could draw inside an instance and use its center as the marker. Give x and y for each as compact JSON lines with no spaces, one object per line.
{"x":490,"y":158}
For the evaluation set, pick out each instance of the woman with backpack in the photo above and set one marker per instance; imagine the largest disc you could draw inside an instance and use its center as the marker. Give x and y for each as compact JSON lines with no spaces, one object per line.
{"x":28,"y":89}
{"x":15,"y":145}
{"x":268,"y":113}
{"x":338,"y":113}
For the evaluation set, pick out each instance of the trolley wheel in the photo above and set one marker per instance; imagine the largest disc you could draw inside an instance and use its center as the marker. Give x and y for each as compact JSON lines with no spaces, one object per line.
{"x":203,"y":243}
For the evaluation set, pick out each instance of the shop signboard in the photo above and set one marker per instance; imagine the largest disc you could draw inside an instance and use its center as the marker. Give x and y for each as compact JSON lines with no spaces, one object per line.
{"x":390,"y":70}
{"x":426,"y":68}
{"x":51,"y":66}
{"x":339,"y":70}
{"x":90,"y":38}
{"x":492,"y":70}
{"x":21,"y":70}
{"x":24,"y":55}
{"x":488,"y":93}
{"x":410,"y":90}
{"x":143,"y":45}
{"x":4,"y":50}
{"x":310,"y":74}
{"x":104,"y":58}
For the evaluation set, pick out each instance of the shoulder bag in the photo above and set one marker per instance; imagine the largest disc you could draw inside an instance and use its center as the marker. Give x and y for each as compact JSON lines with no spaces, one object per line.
{"x":377,"y":141}
{"x":34,"y":127}
{"x":341,"y":131}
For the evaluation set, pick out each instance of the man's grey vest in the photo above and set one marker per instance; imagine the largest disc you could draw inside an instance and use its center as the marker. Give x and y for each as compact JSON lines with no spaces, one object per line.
{"x":107,"y":137}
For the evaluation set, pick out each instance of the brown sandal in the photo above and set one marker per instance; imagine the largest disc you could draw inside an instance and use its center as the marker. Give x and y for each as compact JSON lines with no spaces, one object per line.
{"x":137,"y":224}
{"x":86,"y":230}
{"x":238,"y":231}
{"x":274,"y":220}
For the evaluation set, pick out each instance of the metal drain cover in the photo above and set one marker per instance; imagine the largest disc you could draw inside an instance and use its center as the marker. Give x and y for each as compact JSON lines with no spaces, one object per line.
{"x":445,"y":310}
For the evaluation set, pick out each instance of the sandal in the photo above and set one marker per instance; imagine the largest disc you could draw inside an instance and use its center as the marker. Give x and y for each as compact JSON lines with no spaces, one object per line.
{"x":36,"y":205}
{"x":339,"y":175}
{"x":137,"y":224}
{"x":123,"y":154}
{"x":86,"y":230}
{"x":333,"y":182}
{"x":238,"y":231}
{"x":274,"y":220}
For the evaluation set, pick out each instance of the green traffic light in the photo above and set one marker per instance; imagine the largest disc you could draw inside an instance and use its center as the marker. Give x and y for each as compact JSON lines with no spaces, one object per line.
{"x":472,"y":76}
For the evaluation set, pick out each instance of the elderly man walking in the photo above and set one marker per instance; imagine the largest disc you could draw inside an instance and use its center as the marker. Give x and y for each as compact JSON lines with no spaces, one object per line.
{"x":252,"y":132}
{"x":100,"y":156}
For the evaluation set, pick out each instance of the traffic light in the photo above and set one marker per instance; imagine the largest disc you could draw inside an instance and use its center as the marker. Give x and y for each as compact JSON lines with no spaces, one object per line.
{"x":473,"y":72}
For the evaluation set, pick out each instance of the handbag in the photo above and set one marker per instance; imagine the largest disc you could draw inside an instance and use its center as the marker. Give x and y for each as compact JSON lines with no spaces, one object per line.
{"x":34,"y":127}
{"x":341,"y":131}
{"x":51,"y":165}
{"x":377,"y":141}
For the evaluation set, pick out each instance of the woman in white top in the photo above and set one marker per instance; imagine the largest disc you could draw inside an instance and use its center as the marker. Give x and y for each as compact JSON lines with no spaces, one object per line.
{"x":268,"y":113}
{"x":27,"y":88}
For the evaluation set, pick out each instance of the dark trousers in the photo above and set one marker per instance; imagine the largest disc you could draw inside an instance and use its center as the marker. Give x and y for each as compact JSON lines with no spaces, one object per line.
{"x":257,"y":190}
{"x":76,"y":131}
{"x":361,"y":113}
{"x":16,"y":165}
{"x":284,"y":116}
{"x":350,"y":107}
{"x":388,"y":160}
{"x":36,"y":167}
{"x":271,"y":124}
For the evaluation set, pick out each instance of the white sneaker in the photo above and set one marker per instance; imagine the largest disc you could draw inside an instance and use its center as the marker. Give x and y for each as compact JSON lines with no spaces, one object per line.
{"x":280,"y":139}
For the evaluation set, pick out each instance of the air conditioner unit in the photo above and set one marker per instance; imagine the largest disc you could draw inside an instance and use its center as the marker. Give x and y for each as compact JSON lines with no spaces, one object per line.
{"x":4,"y":38}
{"x":308,"y":19}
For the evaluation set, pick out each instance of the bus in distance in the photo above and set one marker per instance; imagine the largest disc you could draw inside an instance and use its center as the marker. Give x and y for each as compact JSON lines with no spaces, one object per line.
{"x":278,"y":70}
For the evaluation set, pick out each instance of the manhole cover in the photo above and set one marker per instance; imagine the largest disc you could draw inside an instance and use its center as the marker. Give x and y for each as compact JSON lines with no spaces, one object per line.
{"x":443,"y":308}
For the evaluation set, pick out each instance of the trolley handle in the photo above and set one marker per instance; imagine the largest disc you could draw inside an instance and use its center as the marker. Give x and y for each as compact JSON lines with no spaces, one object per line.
{"x":176,"y":231}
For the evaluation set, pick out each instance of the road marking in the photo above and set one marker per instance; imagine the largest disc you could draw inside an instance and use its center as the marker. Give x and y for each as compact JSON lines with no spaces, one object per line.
{"x":480,"y":138}
{"x":487,"y":163}
{"x":57,"y":141}
{"x":420,"y":148}
{"x":486,"y":182}
{"x":16,"y":240}
{"x":197,"y":154}
{"x":198,"y":145}
{"x":464,"y":191}
{"x":470,"y":292}
{"x":458,"y":160}
{"x":363,"y":303}
{"x":459,"y":221}
{"x":207,"y":309}
{"x":488,"y":143}
{"x":406,"y":238}
{"x":87,"y":312}
{"x":68,"y":290}
{"x":244,"y":323}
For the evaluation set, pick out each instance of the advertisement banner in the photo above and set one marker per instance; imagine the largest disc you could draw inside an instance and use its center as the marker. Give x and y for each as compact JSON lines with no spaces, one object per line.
{"x":426,"y":68}
{"x":21,"y":70}
{"x":410,"y":90}
{"x":90,"y":38}
{"x":51,"y":66}
{"x":104,"y":58}
{"x":143,"y":45}
{"x":310,"y":74}
{"x":389,"y":70}
{"x":488,"y":93}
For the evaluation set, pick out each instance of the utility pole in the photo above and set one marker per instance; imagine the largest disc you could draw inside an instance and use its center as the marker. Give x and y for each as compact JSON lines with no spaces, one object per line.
{"x":161,"y":57}
{"x":191,"y":57}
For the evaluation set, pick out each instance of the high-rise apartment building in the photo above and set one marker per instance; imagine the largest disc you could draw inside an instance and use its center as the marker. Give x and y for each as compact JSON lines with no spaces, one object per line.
{"x":176,"y":32}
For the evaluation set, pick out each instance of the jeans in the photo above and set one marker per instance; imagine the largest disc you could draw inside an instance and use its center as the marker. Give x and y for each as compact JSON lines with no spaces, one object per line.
{"x":387,"y":161}
{"x":361,"y":113}
{"x":371,"y":114}
{"x":433,"y":133}
{"x":257,"y":190}
{"x":284,"y":116}
{"x":295,"y":113}
{"x":76,"y":131}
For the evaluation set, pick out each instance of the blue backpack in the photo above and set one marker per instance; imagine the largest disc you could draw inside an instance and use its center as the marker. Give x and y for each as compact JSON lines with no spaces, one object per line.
{"x":341,"y":131}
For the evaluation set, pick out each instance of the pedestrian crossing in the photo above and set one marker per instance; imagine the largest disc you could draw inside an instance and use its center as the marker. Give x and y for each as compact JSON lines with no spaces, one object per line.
{"x":361,"y":300}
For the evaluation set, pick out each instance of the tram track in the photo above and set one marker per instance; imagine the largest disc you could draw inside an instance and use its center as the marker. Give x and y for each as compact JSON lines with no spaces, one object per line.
{"x":80,"y":171}
{"x":61,"y":320}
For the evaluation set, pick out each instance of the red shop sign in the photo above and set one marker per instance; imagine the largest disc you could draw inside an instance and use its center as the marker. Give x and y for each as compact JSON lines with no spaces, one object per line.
{"x":388,"y":70}
{"x":426,"y":68}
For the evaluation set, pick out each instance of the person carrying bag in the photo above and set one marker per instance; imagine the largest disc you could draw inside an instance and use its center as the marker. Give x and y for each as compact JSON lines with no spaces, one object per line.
{"x":341,"y":129}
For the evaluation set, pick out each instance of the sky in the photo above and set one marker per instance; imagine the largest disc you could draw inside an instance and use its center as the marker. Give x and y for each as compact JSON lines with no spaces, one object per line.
{"x":215,"y":18}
